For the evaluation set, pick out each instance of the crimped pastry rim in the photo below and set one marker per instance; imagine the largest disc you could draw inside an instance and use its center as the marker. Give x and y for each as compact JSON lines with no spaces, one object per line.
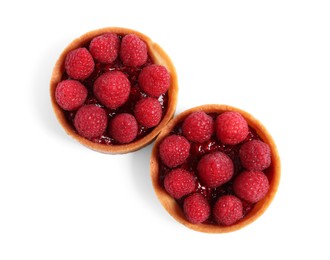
{"x":159,"y":57}
{"x":172,"y":206}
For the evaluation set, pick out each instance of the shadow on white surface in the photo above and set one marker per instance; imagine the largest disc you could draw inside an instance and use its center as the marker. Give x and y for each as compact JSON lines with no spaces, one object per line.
{"x":40,"y":90}
{"x":141,"y":177}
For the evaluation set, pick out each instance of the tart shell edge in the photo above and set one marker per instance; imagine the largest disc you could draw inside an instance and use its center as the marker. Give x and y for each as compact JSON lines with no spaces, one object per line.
{"x":158,"y":56}
{"x":172,"y":206}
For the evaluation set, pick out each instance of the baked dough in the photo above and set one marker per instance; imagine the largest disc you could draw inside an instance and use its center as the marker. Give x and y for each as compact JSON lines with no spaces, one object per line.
{"x":172,"y":206}
{"x":158,"y":56}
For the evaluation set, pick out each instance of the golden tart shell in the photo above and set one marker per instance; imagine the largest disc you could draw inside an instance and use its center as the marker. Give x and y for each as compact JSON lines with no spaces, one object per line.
{"x":158,"y":56}
{"x":172,"y":206}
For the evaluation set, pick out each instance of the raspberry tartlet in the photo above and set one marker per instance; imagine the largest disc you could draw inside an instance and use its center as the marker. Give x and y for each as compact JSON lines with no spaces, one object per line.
{"x":215,"y":168}
{"x":114,"y":89}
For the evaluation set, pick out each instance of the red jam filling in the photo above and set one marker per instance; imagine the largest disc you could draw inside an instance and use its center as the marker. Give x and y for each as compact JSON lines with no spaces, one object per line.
{"x":135,"y":95}
{"x":196,"y":152}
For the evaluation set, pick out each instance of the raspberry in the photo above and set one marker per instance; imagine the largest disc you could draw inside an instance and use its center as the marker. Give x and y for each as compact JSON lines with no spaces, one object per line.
{"x":79,"y":63}
{"x":105,"y":48}
{"x":255,"y":155}
{"x":251,"y":186}
{"x":112,"y":89}
{"x":231,"y":128}
{"x":179,"y":183}
{"x":90,"y":121}
{"x":196,"y":208}
{"x":154,"y":80}
{"x":133,"y":51}
{"x":174,"y":150}
{"x":198,"y":127}
{"x":70,"y":94}
{"x":228,"y":210}
{"x":123,"y":128}
{"x":148,"y":112}
{"x":215,"y":169}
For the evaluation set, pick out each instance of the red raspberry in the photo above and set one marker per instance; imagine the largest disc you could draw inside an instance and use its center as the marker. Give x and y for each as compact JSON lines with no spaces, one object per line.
{"x":90,"y":121}
{"x":215,"y":169}
{"x":70,"y":94}
{"x":154,"y":80}
{"x":105,"y":48}
{"x":123,"y":128}
{"x":251,"y":186}
{"x":231,"y":128}
{"x":196,"y":208}
{"x":79,"y":63}
{"x":133,"y":51}
{"x":174,"y":150}
{"x":112,"y":89}
{"x":228,"y":210}
{"x":148,"y":112}
{"x":198,"y":127}
{"x":255,"y":155}
{"x":179,"y":183}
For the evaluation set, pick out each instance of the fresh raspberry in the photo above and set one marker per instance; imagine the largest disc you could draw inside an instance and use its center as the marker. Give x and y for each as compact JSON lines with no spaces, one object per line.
{"x":196,"y":208}
{"x":112,"y":89}
{"x":90,"y":121}
{"x":251,"y":186}
{"x":133,"y":51}
{"x":154,"y":80}
{"x":215,"y":169}
{"x":123,"y":128}
{"x":148,"y":112}
{"x":79,"y":63}
{"x":179,"y":183}
{"x":255,"y":155}
{"x":70,"y":94}
{"x":105,"y":48}
{"x":198,"y":127}
{"x":228,"y":210}
{"x":231,"y":128}
{"x":174,"y":150}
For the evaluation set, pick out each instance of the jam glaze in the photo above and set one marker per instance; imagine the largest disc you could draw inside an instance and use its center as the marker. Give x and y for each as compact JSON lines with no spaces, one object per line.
{"x":136,"y":94}
{"x":197,"y":150}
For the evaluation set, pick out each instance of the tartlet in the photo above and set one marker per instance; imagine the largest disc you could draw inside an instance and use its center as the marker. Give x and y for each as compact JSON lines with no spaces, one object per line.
{"x":175,"y":207}
{"x":156,"y":55}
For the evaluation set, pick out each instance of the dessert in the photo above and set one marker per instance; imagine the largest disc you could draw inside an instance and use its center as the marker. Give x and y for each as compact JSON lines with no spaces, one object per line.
{"x":119,"y":73}
{"x":230,"y":191}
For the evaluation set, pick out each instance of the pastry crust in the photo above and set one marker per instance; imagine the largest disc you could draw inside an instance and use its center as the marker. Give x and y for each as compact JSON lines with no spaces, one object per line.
{"x":172,"y":206}
{"x":157,"y":54}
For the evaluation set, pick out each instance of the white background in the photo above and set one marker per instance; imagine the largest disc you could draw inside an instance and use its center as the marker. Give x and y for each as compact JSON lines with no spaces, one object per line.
{"x":60,"y":200}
